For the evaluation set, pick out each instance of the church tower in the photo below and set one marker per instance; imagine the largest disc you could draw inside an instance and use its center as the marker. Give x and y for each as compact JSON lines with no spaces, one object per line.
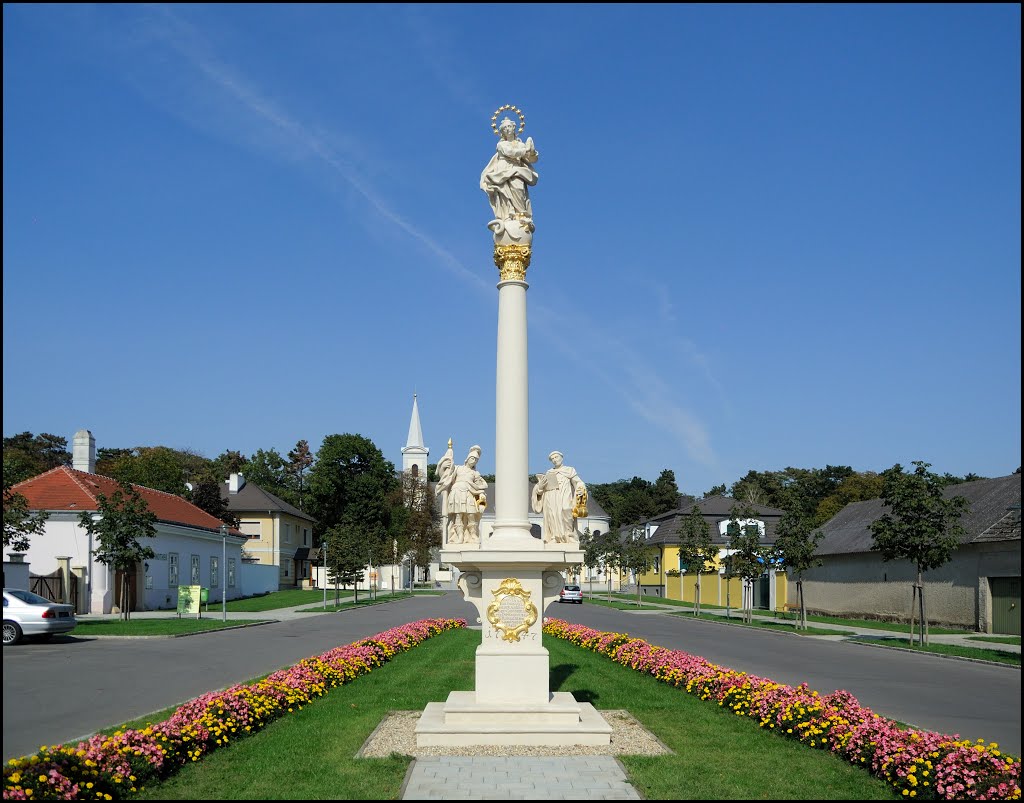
{"x":414,"y":453}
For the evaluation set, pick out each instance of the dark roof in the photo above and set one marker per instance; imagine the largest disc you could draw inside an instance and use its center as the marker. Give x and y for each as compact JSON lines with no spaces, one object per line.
{"x":989,"y":518}
{"x":251,"y":497}
{"x":302,"y":553}
{"x":714,"y":509}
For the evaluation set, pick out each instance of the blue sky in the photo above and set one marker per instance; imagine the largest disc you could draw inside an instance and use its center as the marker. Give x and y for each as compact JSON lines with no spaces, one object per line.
{"x":767,"y":236}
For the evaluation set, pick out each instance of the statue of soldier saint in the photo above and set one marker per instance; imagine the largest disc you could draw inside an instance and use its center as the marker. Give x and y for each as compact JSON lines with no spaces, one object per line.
{"x":465,"y":499}
{"x":506,"y":180}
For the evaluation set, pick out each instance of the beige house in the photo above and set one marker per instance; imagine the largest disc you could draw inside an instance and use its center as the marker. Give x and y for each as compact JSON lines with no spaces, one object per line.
{"x":277,"y":533}
{"x":978,"y":589}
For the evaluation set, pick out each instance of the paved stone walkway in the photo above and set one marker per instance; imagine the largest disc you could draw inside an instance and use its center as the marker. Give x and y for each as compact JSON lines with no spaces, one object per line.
{"x":517,"y":778}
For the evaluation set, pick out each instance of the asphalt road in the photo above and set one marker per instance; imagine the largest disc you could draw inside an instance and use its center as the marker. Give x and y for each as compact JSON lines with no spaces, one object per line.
{"x":72,"y":687}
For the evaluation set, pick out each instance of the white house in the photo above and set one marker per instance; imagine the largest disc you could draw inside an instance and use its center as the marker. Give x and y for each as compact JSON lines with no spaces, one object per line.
{"x":192,"y":547}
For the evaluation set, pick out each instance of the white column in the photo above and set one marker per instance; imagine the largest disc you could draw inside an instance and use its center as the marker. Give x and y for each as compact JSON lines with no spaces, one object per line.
{"x":511,"y":452}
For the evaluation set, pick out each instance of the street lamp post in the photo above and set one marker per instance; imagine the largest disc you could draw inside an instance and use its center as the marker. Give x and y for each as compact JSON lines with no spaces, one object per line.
{"x":224,"y":572}
{"x":323,"y":579}
{"x":394,"y":560}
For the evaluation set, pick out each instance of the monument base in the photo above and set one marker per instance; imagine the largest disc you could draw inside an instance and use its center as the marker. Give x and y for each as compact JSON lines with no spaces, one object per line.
{"x":463,"y":721}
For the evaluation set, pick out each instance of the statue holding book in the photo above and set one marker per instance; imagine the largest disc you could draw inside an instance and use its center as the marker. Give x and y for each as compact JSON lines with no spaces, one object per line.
{"x":561,"y":497}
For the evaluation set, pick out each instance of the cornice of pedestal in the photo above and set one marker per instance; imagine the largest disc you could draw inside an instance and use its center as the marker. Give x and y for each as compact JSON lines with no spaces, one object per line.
{"x":529,"y":559}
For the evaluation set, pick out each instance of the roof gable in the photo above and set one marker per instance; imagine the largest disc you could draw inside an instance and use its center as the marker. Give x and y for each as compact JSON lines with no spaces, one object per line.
{"x":251,"y":497}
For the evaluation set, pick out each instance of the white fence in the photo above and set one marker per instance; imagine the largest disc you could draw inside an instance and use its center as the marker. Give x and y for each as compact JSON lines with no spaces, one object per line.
{"x":258,"y":578}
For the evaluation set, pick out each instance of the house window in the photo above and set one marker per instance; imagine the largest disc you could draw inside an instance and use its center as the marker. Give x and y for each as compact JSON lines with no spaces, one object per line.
{"x":251,"y":529}
{"x":231,"y":572}
{"x":305,"y":537}
{"x":172,"y":569}
{"x":286,"y":532}
{"x":214,"y":572}
{"x":657,"y":565}
{"x":195,"y":570}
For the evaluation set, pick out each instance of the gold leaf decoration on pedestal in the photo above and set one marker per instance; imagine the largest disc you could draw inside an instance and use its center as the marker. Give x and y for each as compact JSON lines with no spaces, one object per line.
{"x":511,"y":613}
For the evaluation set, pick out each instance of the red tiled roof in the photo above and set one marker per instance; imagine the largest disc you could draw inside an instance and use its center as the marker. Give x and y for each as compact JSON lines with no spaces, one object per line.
{"x":65,"y":488}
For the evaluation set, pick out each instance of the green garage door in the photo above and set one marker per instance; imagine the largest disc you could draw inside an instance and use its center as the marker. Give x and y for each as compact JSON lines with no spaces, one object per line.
{"x":1005,"y":605}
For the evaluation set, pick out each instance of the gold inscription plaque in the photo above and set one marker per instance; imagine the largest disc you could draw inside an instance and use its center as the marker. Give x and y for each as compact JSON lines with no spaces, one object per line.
{"x":511,"y":613}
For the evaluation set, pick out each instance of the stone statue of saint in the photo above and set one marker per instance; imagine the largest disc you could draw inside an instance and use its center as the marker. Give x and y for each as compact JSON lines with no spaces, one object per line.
{"x":505,"y":180}
{"x":562,"y":497}
{"x":465,"y":497}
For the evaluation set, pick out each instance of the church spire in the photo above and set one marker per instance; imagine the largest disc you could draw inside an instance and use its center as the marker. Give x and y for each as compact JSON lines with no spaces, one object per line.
{"x":414,"y":453}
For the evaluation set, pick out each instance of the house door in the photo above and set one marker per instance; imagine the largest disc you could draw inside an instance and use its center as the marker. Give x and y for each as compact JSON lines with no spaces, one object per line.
{"x":131,"y":588}
{"x":1005,"y":605}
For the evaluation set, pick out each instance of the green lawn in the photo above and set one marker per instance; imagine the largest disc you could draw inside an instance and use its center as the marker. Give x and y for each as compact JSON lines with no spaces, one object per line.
{"x":978,"y":653}
{"x":171,"y":626}
{"x":997,"y":639}
{"x":717,"y":755}
{"x":627,"y":601}
{"x":787,"y":627}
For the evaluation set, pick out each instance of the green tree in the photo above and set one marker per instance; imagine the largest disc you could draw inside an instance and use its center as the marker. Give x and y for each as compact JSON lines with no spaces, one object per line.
{"x":20,"y":523}
{"x":118,"y":524}
{"x":636,"y":556}
{"x":795,"y":543}
{"x":697,"y":553}
{"x":269,"y":470}
{"x":346,"y":558}
{"x":27,"y":455}
{"x":299,"y":461}
{"x":416,"y":523}
{"x":920,"y":525}
{"x":665,"y":493}
{"x":157,"y":467}
{"x":205,"y":495}
{"x":748,"y":556}
{"x":716,"y":490}
{"x":230,"y":462}
{"x":352,"y":485}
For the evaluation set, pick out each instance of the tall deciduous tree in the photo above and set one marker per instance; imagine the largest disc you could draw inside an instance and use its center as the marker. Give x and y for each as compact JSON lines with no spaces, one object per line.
{"x":269,"y":470}
{"x":795,"y":543}
{"x":157,"y":467}
{"x":121,"y":520}
{"x":20,"y":523}
{"x":697,"y":553}
{"x":920,"y":524}
{"x":351,"y":485}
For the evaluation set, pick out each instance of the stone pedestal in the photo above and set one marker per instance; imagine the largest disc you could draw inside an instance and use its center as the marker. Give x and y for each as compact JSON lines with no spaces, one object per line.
{"x":511,"y":588}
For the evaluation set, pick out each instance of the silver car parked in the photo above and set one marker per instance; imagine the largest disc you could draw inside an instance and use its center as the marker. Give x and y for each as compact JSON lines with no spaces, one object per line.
{"x":29,"y":615}
{"x":571,"y":593}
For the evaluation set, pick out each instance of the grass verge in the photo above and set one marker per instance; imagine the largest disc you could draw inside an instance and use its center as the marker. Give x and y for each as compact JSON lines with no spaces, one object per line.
{"x":977,"y":653}
{"x":784,"y":627}
{"x":313,"y":750}
{"x":171,"y":626}
{"x":997,"y":639}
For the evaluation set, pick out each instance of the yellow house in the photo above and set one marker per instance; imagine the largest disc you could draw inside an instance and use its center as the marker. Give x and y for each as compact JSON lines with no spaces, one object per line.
{"x":278,"y":533}
{"x":668,"y":579}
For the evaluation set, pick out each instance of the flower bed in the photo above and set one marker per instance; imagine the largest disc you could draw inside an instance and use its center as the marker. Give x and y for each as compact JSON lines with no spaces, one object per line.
{"x":113,"y":767}
{"x":916,"y":763}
